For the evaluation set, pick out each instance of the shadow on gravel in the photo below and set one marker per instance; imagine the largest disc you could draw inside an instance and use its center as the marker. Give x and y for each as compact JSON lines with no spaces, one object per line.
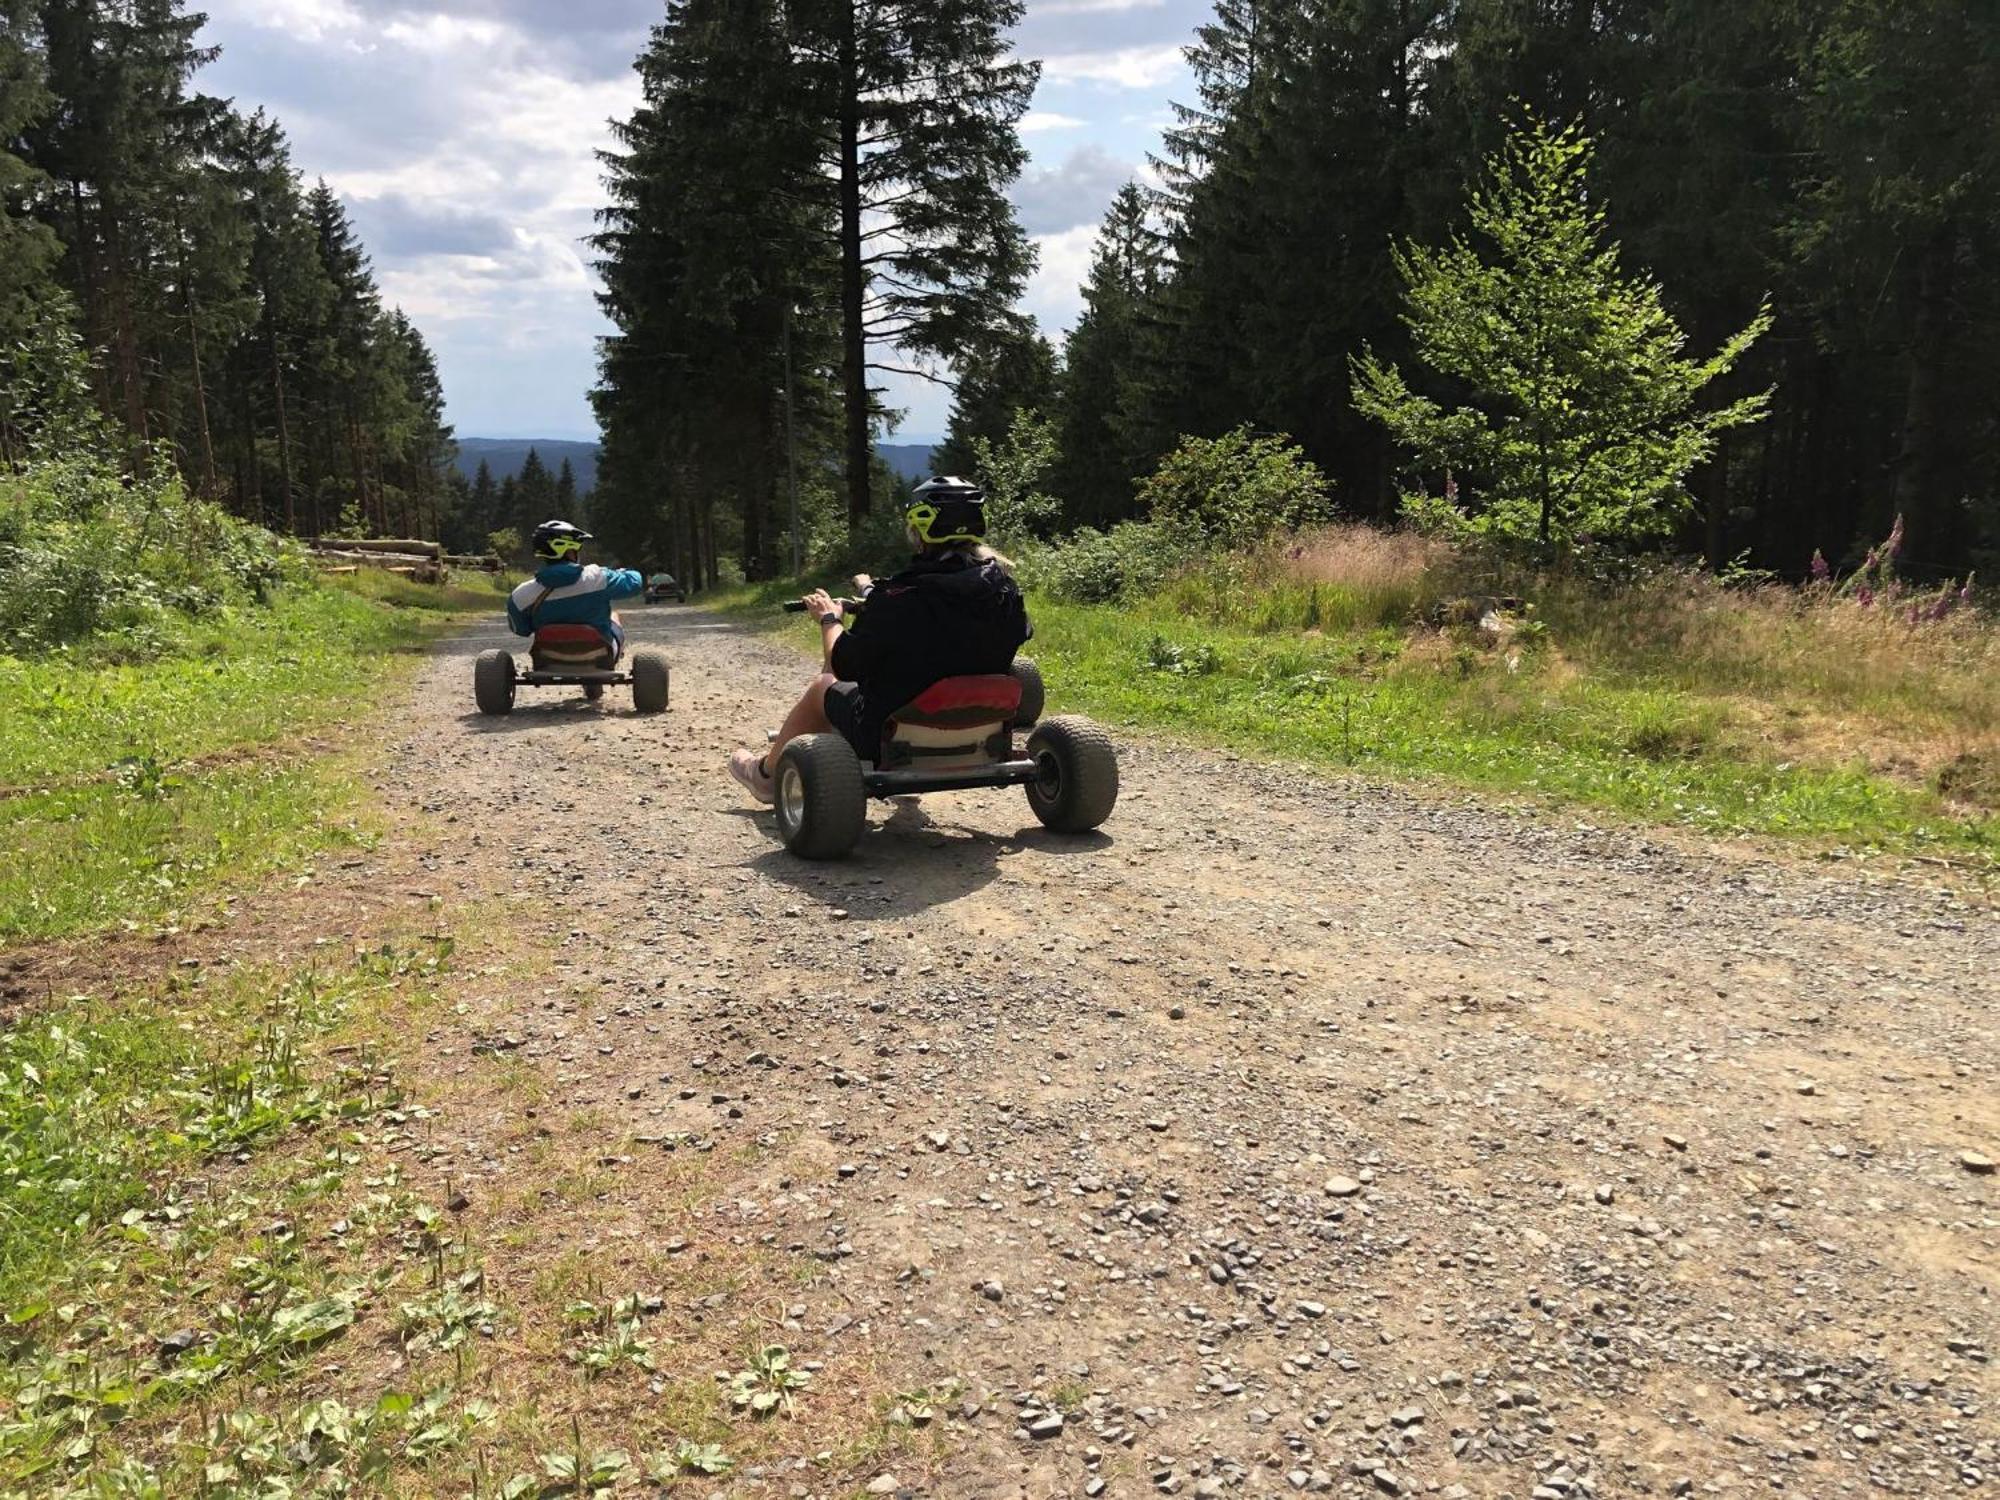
{"x":545,"y":716}
{"x":908,"y":862}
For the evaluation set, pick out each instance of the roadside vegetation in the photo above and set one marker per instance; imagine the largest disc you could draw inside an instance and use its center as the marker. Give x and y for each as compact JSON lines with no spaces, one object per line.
{"x":171,"y":680}
{"x":1523,"y":628}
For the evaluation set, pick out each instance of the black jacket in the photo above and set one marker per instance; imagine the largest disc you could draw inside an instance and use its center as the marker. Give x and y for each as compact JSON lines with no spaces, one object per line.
{"x":940,"y":617}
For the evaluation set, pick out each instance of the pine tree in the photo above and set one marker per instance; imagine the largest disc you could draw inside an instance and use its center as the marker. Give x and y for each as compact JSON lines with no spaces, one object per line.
{"x":921,"y":106}
{"x":28,"y":248}
{"x":293,"y":293}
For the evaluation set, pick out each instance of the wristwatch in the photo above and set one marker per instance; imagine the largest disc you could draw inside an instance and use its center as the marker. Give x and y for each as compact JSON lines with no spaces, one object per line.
{"x":831,"y":617}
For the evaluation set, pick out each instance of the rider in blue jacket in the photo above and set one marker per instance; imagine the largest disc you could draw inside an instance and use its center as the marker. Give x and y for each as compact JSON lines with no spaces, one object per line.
{"x":568,"y":591}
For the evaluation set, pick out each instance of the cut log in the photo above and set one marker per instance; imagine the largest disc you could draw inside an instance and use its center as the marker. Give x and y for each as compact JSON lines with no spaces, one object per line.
{"x":403,"y":547}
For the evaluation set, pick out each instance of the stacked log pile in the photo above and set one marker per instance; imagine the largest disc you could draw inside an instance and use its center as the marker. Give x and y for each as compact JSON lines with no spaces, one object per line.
{"x":421,"y":562}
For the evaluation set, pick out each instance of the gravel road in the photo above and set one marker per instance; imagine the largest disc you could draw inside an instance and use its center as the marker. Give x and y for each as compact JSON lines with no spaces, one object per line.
{"x":1292,"y":1133}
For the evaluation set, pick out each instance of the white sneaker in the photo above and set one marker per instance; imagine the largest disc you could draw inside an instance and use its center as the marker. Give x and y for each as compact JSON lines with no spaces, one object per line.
{"x":748,"y":767}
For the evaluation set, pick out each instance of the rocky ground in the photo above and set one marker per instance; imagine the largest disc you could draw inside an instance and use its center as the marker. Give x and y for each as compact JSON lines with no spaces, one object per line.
{"x":1292,"y":1134}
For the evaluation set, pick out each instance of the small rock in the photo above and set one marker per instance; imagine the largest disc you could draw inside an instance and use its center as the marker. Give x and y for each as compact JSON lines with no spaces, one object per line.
{"x":1342,"y":1187}
{"x":177,"y":1343}
{"x":1678,"y":1142}
{"x":1046,"y":1427}
{"x":884,"y":1484}
{"x":1312,"y":1309}
{"x":1605,"y":1193}
{"x":1387,"y":1482}
{"x":1976,"y":1161}
{"x":992,"y":1291}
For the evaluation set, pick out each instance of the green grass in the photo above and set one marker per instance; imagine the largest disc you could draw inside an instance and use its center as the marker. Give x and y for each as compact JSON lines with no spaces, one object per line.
{"x":1646,"y":749}
{"x":126,"y":788}
{"x":157,"y":1153}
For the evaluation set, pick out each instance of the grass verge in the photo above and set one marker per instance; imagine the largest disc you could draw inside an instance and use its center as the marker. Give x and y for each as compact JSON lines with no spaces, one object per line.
{"x":124,"y":788}
{"x":1635,"y":740}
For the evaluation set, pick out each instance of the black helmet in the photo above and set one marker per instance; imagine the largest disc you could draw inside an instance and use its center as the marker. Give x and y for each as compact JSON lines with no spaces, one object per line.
{"x":947,"y":509}
{"x":558,"y":540}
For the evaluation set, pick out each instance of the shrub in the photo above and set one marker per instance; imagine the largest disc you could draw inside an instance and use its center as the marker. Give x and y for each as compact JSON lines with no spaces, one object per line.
{"x":1235,"y":490}
{"x":1102,"y":567}
{"x":86,"y":552}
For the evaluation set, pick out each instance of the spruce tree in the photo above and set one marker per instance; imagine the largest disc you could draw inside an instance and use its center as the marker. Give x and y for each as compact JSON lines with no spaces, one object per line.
{"x":1019,"y":373}
{"x":28,"y":247}
{"x":1099,"y":459}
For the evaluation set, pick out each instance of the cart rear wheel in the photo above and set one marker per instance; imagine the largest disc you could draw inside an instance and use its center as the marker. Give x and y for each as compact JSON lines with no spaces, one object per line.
{"x":822,"y":804}
{"x":649,"y":682}
{"x":493,"y":682}
{"x":1078,"y":782}
{"x":1025,"y":672}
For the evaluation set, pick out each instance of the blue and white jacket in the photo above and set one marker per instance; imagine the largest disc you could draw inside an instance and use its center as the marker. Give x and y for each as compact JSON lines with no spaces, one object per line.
{"x":571,"y":594}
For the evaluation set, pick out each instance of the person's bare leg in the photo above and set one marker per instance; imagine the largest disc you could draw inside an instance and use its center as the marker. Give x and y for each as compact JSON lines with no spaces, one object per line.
{"x":808,"y":716}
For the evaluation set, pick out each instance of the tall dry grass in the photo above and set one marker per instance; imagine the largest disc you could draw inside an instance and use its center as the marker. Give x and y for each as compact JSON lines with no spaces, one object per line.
{"x":1810,"y":651}
{"x":1331,"y":578}
{"x":1812,"y":648}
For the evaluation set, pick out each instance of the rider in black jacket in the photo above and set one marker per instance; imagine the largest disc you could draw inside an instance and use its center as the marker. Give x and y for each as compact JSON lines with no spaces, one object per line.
{"x":954,"y":611}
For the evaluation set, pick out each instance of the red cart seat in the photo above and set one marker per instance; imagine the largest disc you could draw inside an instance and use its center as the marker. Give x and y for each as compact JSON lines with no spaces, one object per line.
{"x":953,"y":724}
{"x":573,"y":646}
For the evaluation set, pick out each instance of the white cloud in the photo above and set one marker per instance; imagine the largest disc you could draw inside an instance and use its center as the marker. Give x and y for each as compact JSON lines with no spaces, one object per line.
{"x":1055,"y":292}
{"x":1053,"y":199}
{"x":1037,"y":121}
{"x":1126,"y":67}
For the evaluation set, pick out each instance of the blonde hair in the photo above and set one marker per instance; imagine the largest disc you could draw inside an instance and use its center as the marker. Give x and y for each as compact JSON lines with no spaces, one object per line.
{"x":977,"y":552}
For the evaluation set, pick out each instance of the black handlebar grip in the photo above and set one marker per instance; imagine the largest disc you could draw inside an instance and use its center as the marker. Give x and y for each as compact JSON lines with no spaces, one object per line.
{"x":795,"y":606}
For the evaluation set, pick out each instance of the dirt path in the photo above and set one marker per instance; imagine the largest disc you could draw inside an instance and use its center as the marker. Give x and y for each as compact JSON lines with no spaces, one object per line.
{"x":1291,"y":1135}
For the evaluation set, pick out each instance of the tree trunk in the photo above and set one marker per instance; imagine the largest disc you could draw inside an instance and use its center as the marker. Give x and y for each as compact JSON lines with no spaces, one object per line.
{"x":193,"y":315}
{"x":853,"y":278}
{"x":1920,"y":473}
{"x":283,"y":420}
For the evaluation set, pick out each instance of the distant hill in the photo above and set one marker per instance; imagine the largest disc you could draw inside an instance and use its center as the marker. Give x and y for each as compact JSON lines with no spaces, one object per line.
{"x":909,"y":460}
{"x":506,"y":455}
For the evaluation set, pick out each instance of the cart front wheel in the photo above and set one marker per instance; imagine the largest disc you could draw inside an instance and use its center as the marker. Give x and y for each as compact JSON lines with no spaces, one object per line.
{"x":822,"y":804}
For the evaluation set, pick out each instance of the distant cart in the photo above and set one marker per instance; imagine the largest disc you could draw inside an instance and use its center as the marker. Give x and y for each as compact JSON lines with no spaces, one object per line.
{"x":665,"y":586}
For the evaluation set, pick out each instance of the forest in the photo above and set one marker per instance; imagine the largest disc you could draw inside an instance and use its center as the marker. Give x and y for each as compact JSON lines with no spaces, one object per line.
{"x":225,"y":311}
{"x":813,"y":194}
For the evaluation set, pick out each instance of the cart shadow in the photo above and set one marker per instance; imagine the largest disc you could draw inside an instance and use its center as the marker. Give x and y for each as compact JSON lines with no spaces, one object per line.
{"x":909,"y":862}
{"x":544,"y":716}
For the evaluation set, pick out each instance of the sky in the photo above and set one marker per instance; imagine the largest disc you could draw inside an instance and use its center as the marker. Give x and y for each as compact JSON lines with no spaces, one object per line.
{"x":463,"y":133}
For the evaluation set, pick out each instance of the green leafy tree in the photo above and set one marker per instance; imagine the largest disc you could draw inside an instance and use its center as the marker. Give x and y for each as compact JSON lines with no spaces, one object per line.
{"x":1012,"y":472}
{"x":1582,"y":418}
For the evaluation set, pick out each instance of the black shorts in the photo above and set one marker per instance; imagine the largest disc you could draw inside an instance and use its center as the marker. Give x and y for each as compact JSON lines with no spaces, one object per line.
{"x":846,"y":712}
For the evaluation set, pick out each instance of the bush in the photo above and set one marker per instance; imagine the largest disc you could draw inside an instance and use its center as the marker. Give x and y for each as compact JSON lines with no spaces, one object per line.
{"x":88,"y":552}
{"x":1103,"y":567}
{"x":1235,"y":490}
